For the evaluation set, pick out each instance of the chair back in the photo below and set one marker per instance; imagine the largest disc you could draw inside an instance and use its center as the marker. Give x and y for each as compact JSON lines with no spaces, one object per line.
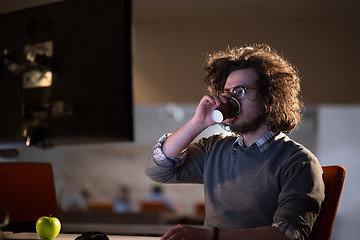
{"x":334,"y":177}
{"x":153,"y":206}
{"x":27,"y":191}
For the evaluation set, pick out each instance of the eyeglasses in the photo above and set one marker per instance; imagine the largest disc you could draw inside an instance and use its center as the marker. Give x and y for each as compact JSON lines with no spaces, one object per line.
{"x":241,"y":92}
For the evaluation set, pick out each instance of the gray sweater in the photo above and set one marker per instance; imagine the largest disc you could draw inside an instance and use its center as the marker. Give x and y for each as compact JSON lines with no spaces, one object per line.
{"x":245,"y":187}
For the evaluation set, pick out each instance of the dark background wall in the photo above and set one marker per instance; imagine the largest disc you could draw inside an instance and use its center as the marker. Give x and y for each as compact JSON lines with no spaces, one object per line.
{"x":172,"y":38}
{"x":319,"y":37}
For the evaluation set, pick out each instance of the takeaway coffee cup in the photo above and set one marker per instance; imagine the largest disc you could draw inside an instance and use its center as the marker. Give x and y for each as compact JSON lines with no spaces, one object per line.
{"x":226,"y":110}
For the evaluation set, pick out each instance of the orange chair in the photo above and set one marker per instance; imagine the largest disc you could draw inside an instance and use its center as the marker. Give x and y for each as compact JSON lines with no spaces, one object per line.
{"x":334,"y":177}
{"x":200,"y":209}
{"x":155,"y":206}
{"x":102,"y":206}
{"x":27,"y":191}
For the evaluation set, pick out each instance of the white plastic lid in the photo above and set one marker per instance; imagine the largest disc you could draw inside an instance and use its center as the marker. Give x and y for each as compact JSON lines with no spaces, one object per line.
{"x":217,"y":116}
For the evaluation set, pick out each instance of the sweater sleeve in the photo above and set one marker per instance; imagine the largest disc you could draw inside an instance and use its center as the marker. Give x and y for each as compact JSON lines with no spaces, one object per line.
{"x":302,"y":193}
{"x":162,"y":169}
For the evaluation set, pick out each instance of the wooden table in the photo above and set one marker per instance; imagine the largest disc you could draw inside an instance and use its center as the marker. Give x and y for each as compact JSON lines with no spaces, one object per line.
{"x":62,"y":236}
{"x":117,"y":229}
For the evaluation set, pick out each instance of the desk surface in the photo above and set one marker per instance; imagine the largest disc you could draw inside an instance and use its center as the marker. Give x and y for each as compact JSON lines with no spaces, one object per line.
{"x":117,"y":229}
{"x":63,"y":236}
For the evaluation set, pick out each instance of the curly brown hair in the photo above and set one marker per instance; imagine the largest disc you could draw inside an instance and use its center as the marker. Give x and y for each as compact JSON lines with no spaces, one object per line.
{"x":278,"y":84}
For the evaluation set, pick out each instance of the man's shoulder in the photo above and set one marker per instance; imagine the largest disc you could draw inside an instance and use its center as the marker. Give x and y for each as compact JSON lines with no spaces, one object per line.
{"x":292,"y":147}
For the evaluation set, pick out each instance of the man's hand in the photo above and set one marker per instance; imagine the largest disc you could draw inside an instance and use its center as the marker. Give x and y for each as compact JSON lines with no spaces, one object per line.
{"x":207,"y":104}
{"x":177,"y":142}
{"x":184,"y":232}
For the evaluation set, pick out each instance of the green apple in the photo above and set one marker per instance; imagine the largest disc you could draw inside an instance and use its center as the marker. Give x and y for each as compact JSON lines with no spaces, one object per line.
{"x":48,"y":227}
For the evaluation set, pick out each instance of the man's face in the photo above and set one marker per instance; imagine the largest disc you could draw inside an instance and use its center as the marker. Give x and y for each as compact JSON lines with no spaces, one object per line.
{"x":251,"y":116}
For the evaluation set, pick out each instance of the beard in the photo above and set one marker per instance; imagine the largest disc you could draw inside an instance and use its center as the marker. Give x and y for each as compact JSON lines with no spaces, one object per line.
{"x":250,"y":125}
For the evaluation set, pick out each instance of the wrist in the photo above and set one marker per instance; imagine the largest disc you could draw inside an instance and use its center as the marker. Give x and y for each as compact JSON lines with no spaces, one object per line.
{"x":198,"y":125}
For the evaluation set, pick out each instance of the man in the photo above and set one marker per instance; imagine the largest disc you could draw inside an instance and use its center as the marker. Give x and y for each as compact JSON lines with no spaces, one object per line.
{"x":259,"y":184}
